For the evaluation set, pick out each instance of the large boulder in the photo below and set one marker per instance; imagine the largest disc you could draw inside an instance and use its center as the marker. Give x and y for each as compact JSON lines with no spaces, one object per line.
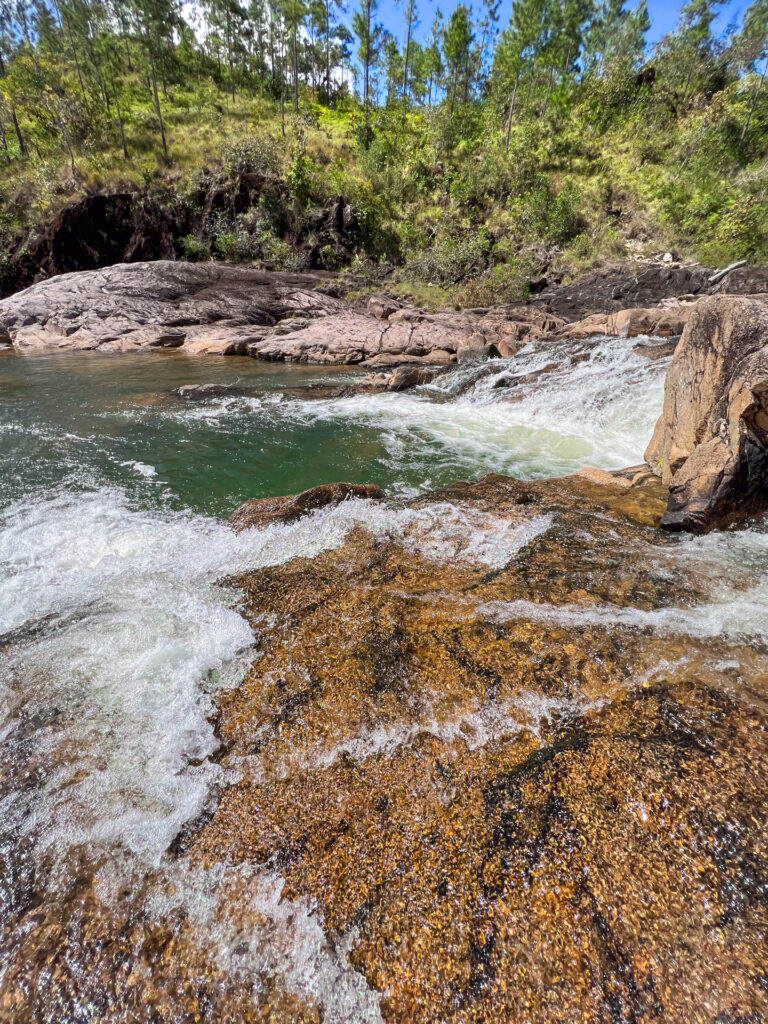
{"x":710,"y":445}
{"x":260,"y":512}
{"x":209,"y":308}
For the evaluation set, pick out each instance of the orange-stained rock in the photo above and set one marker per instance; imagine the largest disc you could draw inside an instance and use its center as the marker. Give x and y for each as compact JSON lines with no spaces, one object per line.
{"x":710,"y":445}
{"x":660,"y":322}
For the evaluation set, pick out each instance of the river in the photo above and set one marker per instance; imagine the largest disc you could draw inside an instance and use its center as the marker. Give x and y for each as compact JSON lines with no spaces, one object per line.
{"x":116,"y":636}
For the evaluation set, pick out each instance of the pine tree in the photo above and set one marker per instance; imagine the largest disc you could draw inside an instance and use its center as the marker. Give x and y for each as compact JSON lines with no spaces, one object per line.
{"x":457,"y":43}
{"x":370,"y":36}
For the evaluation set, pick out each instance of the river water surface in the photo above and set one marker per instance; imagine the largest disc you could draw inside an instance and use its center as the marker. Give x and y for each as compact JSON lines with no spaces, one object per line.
{"x":115,"y":635}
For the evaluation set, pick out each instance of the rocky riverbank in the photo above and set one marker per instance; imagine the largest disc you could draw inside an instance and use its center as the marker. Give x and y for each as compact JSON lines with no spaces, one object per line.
{"x":490,"y":762}
{"x":227,"y":310}
{"x":494,"y":753}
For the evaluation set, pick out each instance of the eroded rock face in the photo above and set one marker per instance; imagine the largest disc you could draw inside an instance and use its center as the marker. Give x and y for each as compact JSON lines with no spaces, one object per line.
{"x":128,"y":227}
{"x":625,"y":285}
{"x":260,"y":512}
{"x":202,"y":308}
{"x":97,"y":231}
{"x":710,"y":445}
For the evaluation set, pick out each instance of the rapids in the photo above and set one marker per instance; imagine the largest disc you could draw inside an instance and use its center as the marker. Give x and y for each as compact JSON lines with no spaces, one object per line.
{"x":118,"y":639}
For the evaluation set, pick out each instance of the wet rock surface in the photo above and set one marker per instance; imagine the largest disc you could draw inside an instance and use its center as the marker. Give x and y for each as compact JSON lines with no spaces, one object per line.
{"x":260,"y":512}
{"x":474,"y":773}
{"x":710,"y":445}
{"x":522,"y":811}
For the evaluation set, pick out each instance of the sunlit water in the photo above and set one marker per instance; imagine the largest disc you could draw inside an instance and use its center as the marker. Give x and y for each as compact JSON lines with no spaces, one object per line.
{"x":115,"y":635}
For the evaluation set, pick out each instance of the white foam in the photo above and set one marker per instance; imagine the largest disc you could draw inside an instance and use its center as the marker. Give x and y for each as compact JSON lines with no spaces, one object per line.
{"x":472,"y":727}
{"x":734,"y":565}
{"x":600,"y":412}
{"x":252,"y":931}
{"x":141,"y":468}
{"x":125,"y":621}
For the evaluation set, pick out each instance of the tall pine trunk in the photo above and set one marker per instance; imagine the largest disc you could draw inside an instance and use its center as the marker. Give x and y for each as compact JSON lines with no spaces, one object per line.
{"x":295,"y":59}
{"x":120,"y":122}
{"x":511,"y":112}
{"x":407,"y":51}
{"x":157,"y":99}
{"x":19,"y":136}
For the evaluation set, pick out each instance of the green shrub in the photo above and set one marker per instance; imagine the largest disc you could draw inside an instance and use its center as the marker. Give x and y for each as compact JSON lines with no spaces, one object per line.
{"x":451,"y":260}
{"x":506,"y":283}
{"x":194,"y":250}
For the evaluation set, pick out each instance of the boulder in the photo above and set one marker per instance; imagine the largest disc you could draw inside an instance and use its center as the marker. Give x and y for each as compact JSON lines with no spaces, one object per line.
{"x":208,"y":308}
{"x":259,"y":512}
{"x":382,"y":307}
{"x":661,"y":322}
{"x":710,"y":445}
{"x":202,"y":392}
{"x":406,"y":377}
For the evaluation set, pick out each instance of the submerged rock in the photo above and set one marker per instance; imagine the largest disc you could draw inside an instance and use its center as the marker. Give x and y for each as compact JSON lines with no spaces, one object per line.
{"x":710,"y":445}
{"x":489,"y":764}
{"x":462,"y":743}
{"x":262,"y":511}
{"x":202,"y":392}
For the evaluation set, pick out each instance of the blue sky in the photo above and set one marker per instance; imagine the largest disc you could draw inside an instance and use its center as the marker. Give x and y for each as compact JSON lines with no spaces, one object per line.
{"x":663,"y":14}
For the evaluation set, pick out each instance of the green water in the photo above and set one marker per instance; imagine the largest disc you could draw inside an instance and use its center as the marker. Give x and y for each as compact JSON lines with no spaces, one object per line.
{"x":89,"y":421}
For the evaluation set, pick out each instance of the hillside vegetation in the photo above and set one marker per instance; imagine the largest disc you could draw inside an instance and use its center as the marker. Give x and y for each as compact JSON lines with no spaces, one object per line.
{"x":473,"y":160}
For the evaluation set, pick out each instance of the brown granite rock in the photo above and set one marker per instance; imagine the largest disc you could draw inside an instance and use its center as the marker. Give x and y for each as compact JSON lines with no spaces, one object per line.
{"x":661,"y":322}
{"x":287,"y":508}
{"x":218,"y":309}
{"x":409,"y":335}
{"x":451,"y":792}
{"x":710,"y":445}
{"x":528,"y":815}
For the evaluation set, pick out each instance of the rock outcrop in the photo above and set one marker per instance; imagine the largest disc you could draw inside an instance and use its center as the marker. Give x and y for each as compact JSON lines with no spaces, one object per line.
{"x":262,"y":512}
{"x":710,"y":445}
{"x":664,"y":321}
{"x":97,"y":231}
{"x":410,"y":335}
{"x":128,"y":227}
{"x":215,"y":308}
{"x":625,"y":285}
{"x":202,"y":308}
